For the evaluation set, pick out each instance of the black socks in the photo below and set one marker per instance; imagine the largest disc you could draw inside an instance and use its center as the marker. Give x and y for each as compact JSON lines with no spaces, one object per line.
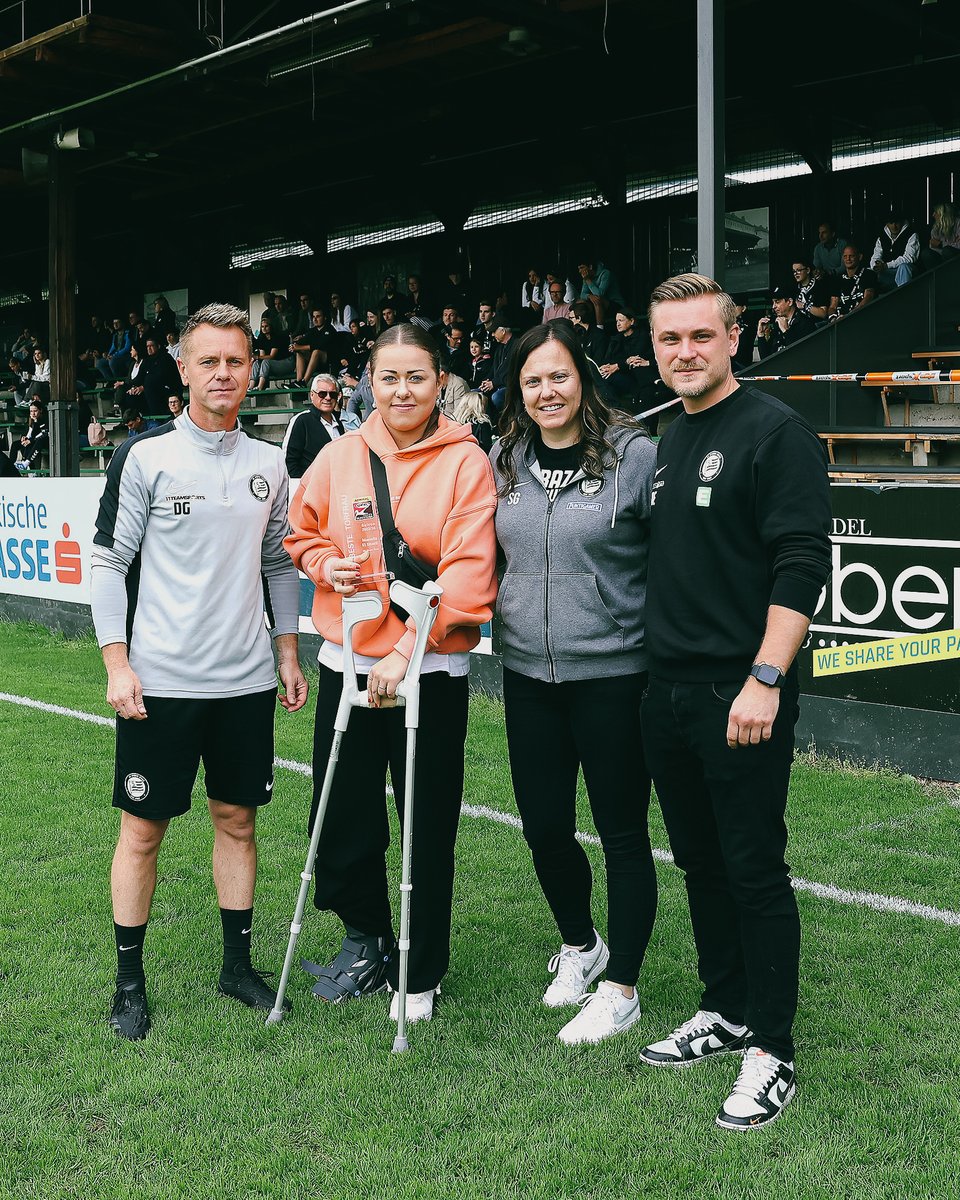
{"x":129,"y":952}
{"x":237,"y":927}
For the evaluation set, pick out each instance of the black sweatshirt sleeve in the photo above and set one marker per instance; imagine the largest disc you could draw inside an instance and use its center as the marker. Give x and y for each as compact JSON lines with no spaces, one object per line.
{"x":793,"y":514}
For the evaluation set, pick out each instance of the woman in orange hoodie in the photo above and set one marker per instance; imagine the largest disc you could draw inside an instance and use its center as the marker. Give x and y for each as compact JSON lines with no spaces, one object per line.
{"x":443,"y":498}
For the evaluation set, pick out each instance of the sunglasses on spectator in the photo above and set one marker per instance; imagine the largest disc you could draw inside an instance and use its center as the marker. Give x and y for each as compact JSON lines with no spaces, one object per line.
{"x":331,"y":395}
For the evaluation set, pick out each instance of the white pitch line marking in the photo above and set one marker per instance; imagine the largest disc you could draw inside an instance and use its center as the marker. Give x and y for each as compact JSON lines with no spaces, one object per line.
{"x":823,"y":891}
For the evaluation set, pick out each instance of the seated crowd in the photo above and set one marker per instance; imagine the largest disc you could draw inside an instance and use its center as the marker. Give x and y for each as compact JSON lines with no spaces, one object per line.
{"x":325,"y":346}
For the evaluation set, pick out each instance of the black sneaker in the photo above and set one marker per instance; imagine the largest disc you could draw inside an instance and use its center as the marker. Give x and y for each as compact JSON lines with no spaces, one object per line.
{"x":129,"y":1016}
{"x":764,"y":1088}
{"x":705,"y":1034}
{"x":249,"y":986}
{"x":360,"y":969}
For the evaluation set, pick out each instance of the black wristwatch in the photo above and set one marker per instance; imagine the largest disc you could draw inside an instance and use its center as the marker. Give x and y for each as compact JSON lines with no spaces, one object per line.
{"x":768,"y":675}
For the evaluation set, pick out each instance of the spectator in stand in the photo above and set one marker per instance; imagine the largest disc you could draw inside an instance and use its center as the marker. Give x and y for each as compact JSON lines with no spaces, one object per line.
{"x":471,"y":410}
{"x":130,"y":387}
{"x":164,"y":319}
{"x":316,"y":426}
{"x":628,"y":370}
{"x":301,"y":323}
{"x":39,"y":389}
{"x":23,"y":347}
{"x":813,"y":290}
{"x":481,"y":366}
{"x":944,"y":236}
{"x":600,"y":288}
{"x":355,"y":358}
{"x":787,"y":325}
{"x":25,"y":453}
{"x":160,"y":377}
{"x":317,"y":349}
{"x":97,"y":346}
{"x":533,"y":298}
{"x":173,"y":346}
{"x":418,"y":309}
{"x":556,"y":306}
{"x":453,"y":388}
{"x":282,"y":318}
{"x":141,"y":332}
{"x":270,"y":351}
{"x":503,"y":334}
{"x":23,"y":375}
{"x":896,"y":253}
{"x":742,"y":357}
{"x":373,"y":327}
{"x":856,"y":287}
{"x":457,"y":343}
{"x":136,"y":422}
{"x":116,"y":362}
{"x":388,"y":317}
{"x":457,"y":291}
{"x":592,"y":337}
{"x":451,"y":316}
{"x":269,"y":311}
{"x":176,"y":405}
{"x":392,"y":298}
{"x":486,"y":314}
{"x":341,"y":313}
{"x":571,"y":292}
{"x":828,"y":252}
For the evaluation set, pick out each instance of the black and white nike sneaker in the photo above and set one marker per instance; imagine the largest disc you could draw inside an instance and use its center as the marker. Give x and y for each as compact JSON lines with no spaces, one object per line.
{"x":705,"y":1034}
{"x":764,"y":1088}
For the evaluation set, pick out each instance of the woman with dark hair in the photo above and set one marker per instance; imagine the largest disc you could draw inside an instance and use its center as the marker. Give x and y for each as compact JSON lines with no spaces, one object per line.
{"x":574,"y":481}
{"x":593,"y":339}
{"x":25,"y":453}
{"x":628,"y":368}
{"x":445,"y":501}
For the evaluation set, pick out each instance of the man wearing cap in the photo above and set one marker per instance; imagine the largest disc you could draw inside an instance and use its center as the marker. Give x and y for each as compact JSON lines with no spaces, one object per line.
{"x":502,"y":333}
{"x":786,"y":326}
{"x":895,"y":255}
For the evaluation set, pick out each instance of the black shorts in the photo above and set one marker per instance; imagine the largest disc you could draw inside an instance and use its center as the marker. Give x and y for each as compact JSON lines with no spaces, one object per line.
{"x":157,"y":759}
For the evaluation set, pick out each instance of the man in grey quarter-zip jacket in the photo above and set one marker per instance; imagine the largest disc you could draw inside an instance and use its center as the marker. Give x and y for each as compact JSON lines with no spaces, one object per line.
{"x":188,"y":553}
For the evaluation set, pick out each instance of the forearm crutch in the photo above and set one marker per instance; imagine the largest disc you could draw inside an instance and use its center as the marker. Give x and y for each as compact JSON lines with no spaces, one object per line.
{"x":360,"y":607}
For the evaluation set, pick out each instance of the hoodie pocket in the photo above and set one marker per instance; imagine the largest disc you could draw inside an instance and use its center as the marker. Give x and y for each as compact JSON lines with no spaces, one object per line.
{"x":580,"y":624}
{"x":520,"y":608}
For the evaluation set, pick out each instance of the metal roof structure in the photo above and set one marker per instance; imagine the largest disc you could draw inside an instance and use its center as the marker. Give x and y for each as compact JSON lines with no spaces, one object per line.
{"x":237,"y":121}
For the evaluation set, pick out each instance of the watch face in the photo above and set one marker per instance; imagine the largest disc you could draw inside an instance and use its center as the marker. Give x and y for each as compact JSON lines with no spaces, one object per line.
{"x":766,"y":674}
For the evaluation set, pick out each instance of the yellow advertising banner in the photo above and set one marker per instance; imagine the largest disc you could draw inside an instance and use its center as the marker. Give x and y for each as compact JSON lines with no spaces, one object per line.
{"x":888,"y":652}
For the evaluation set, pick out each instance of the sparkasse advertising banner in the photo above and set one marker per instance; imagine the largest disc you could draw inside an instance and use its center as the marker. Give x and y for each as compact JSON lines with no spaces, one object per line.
{"x":46,"y":535}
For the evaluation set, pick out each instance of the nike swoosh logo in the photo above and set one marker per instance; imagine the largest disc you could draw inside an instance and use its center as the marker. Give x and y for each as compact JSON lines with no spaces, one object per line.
{"x":246,"y":930}
{"x":659,"y":469}
{"x":269,"y":787}
{"x":133,"y":947}
{"x":704,"y":1045}
{"x":782,"y":1090}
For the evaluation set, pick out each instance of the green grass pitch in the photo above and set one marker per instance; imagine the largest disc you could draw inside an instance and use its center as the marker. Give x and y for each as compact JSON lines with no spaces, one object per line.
{"x":487,"y":1104}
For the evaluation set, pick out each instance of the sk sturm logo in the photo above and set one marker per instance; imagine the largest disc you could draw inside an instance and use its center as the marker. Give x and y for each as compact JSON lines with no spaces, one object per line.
{"x":136,"y":786}
{"x":590,"y":487}
{"x":711,"y":466}
{"x":259,"y":487}
{"x":363,"y":508}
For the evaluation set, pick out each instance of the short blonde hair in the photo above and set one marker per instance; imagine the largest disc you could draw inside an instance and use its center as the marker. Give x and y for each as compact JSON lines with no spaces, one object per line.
{"x":221,"y":316}
{"x":690,"y":287}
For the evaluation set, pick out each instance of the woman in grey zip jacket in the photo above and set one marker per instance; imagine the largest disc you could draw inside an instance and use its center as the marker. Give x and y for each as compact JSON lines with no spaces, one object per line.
{"x":574,"y":484}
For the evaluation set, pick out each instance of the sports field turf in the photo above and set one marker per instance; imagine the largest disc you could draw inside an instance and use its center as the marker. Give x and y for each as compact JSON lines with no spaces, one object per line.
{"x":487,"y":1103}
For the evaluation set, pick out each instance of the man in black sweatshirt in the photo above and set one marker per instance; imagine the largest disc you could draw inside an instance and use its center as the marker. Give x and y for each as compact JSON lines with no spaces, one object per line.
{"x":739,"y":553}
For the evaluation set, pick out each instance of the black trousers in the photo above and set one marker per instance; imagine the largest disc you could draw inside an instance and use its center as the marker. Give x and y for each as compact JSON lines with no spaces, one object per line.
{"x":724,"y":811}
{"x":351,"y":873}
{"x":552,"y":730}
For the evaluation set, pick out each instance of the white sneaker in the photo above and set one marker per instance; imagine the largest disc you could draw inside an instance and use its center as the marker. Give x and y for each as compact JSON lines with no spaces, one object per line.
{"x":419,"y":1006}
{"x":605,"y":1012}
{"x":764,"y":1088}
{"x":575,"y":971}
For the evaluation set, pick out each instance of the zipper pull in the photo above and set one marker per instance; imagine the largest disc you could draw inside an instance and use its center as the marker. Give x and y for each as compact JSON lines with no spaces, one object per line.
{"x":401,"y":548}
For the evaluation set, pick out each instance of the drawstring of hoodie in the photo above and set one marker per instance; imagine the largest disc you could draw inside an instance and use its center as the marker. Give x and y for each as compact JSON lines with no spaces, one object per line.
{"x":616,"y":495}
